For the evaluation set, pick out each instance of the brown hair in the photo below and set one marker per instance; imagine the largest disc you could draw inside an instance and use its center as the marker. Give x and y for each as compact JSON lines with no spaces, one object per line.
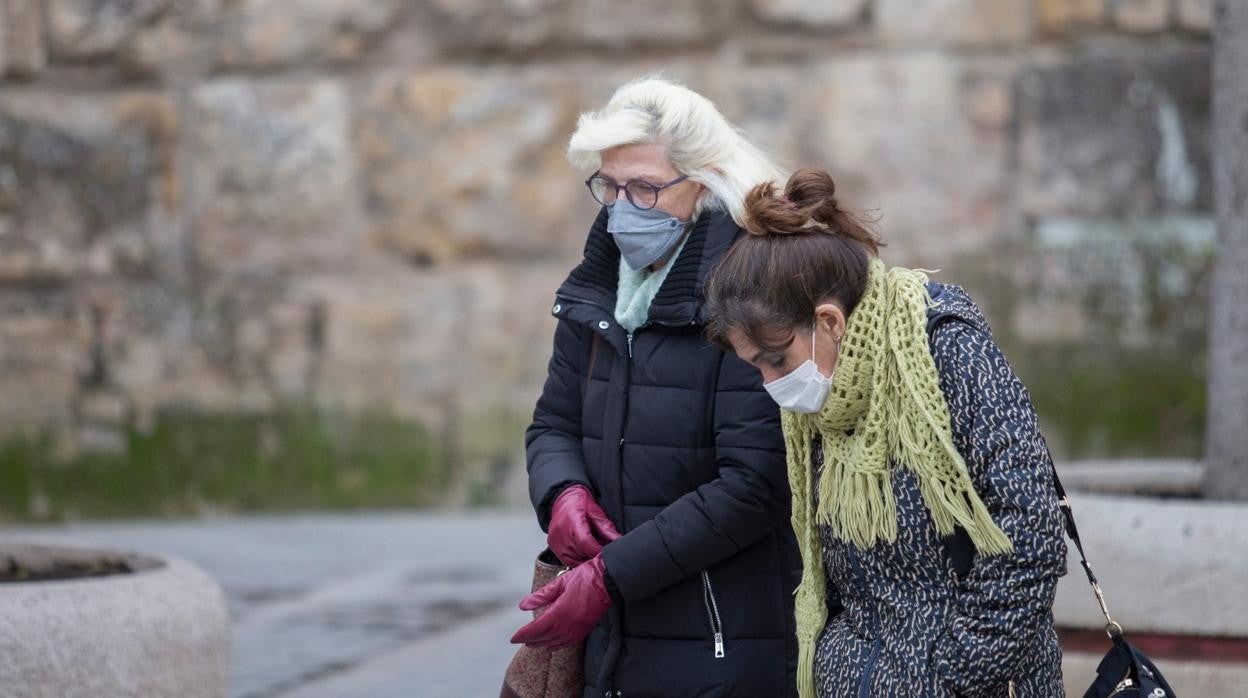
{"x":802,"y":249}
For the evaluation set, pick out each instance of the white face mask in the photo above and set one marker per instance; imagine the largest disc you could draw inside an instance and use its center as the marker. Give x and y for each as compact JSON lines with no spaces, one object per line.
{"x":805,"y":389}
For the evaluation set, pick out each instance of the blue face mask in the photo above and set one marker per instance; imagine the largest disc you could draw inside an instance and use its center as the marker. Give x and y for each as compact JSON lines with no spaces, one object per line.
{"x":643,"y":236}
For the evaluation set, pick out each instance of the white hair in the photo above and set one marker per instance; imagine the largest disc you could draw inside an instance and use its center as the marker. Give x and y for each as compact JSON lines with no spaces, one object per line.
{"x":700,"y":142}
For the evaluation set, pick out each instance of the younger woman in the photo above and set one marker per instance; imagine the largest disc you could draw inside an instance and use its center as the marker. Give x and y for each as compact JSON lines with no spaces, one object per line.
{"x":923,"y":499}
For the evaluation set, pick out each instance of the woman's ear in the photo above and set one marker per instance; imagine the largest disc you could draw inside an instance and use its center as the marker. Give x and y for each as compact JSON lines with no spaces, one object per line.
{"x":832,"y":319}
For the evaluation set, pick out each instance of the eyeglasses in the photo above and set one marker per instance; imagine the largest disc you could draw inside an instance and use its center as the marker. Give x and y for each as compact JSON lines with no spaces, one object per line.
{"x":643,"y":195}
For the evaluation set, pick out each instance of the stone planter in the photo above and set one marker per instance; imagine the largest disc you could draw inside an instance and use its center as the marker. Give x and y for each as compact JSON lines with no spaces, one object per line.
{"x":122,"y":625}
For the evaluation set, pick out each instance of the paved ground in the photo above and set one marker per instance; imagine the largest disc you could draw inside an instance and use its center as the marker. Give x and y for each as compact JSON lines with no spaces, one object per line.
{"x":374,"y":605}
{"x":421,"y":605}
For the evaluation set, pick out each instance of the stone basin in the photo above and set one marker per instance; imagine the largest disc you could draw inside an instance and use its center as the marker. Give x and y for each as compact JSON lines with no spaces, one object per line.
{"x":83,"y":621}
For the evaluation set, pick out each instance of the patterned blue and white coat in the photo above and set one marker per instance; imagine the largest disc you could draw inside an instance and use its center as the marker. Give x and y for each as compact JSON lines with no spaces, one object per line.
{"x":905,"y":622}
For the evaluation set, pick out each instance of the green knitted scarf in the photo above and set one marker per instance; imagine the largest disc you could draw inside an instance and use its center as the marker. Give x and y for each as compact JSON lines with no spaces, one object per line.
{"x":885,"y":410}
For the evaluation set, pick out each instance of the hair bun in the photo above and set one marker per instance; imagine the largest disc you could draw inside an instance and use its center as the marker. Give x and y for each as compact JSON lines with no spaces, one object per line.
{"x":807,"y":206}
{"x":767,"y":213}
{"x":814,"y":192}
{"x":808,"y":203}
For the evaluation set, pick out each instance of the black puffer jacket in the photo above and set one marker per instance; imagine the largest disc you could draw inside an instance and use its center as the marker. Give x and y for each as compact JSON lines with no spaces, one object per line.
{"x":682,"y":448}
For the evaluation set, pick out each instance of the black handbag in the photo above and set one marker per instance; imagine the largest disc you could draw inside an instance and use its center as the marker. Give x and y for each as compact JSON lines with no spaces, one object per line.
{"x":1125,"y":671}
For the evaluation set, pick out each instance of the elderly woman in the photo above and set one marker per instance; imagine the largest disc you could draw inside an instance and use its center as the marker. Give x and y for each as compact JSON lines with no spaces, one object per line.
{"x":923,"y":499}
{"x":656,"y":462}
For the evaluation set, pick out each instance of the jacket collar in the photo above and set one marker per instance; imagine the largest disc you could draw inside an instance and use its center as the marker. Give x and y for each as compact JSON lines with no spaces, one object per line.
{"x":951,"y":302}
{"x":679,"y":300}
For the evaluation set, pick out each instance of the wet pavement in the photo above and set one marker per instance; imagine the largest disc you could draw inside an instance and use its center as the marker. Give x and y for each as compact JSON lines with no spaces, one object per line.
{"x":415,"y":605}
{"x":378,"y":605}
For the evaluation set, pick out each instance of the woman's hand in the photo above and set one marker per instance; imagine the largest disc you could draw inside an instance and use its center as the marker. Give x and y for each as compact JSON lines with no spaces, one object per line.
{"x":574,"y":602}
{"x":578,"y":526}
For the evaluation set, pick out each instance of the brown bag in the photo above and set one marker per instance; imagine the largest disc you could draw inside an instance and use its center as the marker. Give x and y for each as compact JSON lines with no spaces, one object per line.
{"x":536,"y":672}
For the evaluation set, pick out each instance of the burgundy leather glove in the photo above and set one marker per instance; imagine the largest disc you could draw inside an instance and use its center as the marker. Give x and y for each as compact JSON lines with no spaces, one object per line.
{"x":574,"y":602}
{"x":578,"y":526}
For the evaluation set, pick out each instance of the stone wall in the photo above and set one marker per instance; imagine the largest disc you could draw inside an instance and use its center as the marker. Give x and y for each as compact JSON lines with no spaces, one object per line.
{"x":364,"y":203}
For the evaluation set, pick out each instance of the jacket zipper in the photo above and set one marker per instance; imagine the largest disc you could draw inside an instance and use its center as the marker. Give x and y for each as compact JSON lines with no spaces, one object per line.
{"x":864,"y":683}
{"x":586,"y":301}
{"x":712,"y":613}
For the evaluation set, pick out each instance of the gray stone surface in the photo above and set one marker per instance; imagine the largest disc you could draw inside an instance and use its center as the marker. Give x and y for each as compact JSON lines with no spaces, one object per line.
{"x":236,"y":204}
{"x":1195,"y":15}
{"x":274,"y":175}
{"x":1141,"y":16}
{"x":1166,"y":566}
{"x":467,"y":660}
{"x":1059,"y":17}
{"x":1161,"y":477}
{"x":497,"y":141}
{"x":82,"y":29}
{"x":267,"y":33}
{"x":25,"y":47}
{"x":527,"y":25}
{"x":385,"y":604}
{"x":155,"y":633}
{"x":1226,"y":445}
{"x":956,"y":22}
{"x":87,"y":172}
{"x":955,"y":110}
{"x":397,"y":605}
{"x":442,"y":345}
{"x":1114,"y":135}
{"x":4,"y":39}
{"x":815,"y":15}
{"x":1114,"y":282}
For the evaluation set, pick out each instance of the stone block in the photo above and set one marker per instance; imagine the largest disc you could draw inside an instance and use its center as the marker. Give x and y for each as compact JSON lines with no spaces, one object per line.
{"x":810,"y":14}
{"x":85,"y":29}
{"x":1117,"y":135}
{"x":1159,"y":477}
{"x":1060,"y":17}
{"x":454,"y":339}
{"x":1141,"y":16}
{"x":1120,"y":281}
{"x":103,"y":407}
{"x":81,"y":177}
{"x":921,"y":141}
{"x":181,"y":44}
{"x":274,"y":174}
{"x":1163,"y":541}
{"x":773,"y":105}
{"x":4,"y":38}
{"x":524,"y":25}
{"x":953,"y":21}
{"x":1195,"y":15}
{"x":147,"y":37}
{"x":265,"y":33}
{"x":496,"y":143}
{"x":26,"y":51}
{"x":41,"y":359}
